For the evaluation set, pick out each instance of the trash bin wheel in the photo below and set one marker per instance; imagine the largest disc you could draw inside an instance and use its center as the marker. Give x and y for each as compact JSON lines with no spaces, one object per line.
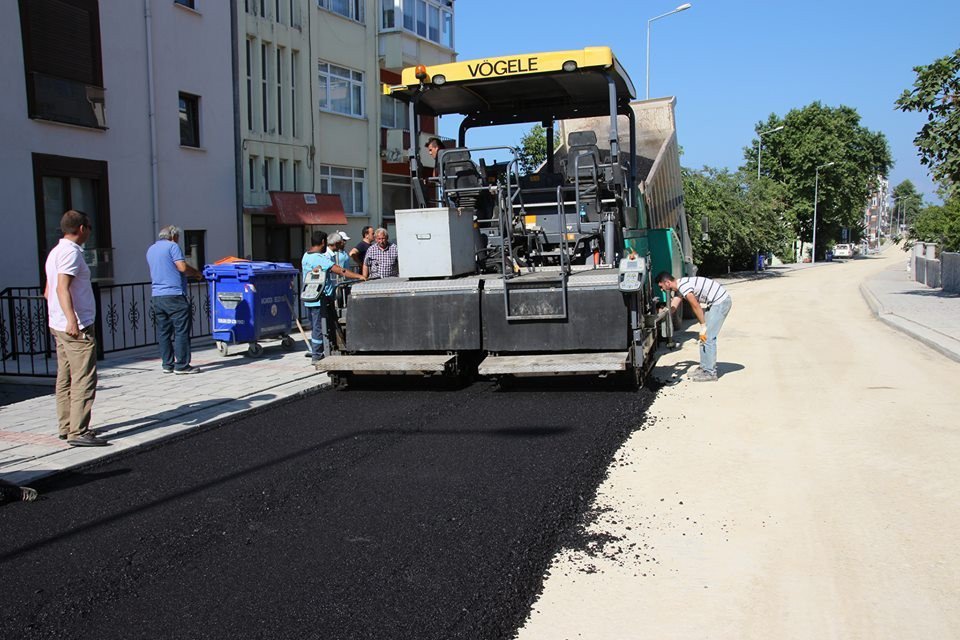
{"x":255,"y":350}
{"x":222,"y":347}
{"x":288,"y":343}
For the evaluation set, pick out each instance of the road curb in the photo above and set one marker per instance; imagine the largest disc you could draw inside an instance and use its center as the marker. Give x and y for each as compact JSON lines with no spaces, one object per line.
{"x":935,"y":340}
{"x":871,"y":299}
{"x":27,"y":476}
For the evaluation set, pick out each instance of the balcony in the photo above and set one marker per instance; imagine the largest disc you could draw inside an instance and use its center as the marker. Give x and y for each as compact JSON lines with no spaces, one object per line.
{"x":67,"y":101}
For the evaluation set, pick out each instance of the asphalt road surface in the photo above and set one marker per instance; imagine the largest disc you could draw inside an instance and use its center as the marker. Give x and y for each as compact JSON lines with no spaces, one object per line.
{"x":405,"y":513}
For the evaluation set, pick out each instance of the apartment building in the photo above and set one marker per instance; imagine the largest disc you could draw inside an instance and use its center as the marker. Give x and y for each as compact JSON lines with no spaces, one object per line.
{"x":876,"y":214}
{"x":125,"y":110}
{"x":319,"y":141}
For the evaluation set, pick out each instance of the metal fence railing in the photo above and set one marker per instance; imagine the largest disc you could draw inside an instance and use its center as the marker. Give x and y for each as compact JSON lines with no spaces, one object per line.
{"x":125,"y":320}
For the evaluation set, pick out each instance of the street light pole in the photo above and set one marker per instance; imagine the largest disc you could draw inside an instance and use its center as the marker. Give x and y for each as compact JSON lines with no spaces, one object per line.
{"x":816,"y":195}
{"x":760,"y":145}
{"x":682,"y":7}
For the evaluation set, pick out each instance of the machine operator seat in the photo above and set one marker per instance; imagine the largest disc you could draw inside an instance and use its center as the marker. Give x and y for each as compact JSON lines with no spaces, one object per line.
{"x":463,"y":184}
{"x":583,"y":143}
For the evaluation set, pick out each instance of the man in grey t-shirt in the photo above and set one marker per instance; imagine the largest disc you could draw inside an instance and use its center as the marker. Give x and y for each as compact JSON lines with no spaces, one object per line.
{"x":710,"y":303}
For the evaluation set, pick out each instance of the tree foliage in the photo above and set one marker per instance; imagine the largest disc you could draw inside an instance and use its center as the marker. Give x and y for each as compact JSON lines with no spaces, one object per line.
{"x":533,"y":149}
{"x":936,"y":92}
{"x":907,"y":202}
{"x":939,"y":224}
{"x":812,"y":137}
{"x":741,"y":217}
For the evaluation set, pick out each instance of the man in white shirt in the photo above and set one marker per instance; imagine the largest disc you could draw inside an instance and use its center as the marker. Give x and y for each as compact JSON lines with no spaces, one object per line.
{"x":72,"y":312}
{"x":710,"y":303}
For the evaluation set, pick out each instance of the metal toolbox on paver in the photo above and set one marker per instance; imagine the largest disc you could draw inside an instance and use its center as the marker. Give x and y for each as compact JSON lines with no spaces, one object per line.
{"x":435,"y":242}
{"x":251,"y":301}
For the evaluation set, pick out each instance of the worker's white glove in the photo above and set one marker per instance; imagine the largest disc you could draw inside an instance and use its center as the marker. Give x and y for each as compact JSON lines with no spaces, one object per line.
{"x":702,"y":332}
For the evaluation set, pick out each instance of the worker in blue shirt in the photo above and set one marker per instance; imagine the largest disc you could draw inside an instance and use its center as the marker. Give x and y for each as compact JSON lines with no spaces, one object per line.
{"x":322,"y":313}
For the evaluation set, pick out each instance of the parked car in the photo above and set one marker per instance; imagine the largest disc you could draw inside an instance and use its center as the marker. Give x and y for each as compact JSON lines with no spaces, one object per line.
{"x":842,"y":251}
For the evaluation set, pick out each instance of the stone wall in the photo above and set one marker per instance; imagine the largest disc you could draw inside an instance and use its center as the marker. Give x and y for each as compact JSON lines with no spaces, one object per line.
{"x":950,"y":272}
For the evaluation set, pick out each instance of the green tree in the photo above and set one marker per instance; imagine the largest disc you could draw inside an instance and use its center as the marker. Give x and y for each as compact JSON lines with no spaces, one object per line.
{"x":814,"y":136}
{"x":906,"y":202}
{"x":936,"y":93}
{"x":939,"y":224}
{"x":742,"y":217}
{"x":533,"y":149}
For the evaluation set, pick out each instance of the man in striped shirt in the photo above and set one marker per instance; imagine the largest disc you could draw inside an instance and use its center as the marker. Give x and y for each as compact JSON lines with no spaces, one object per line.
{"x":710,"y":303}
{"x":381,"y":258}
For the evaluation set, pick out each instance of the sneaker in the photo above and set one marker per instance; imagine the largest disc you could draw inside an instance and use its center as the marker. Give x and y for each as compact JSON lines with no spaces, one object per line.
{"x":87,"y":440}
{"x":317,"y":358}
{"x":186,"y":370}
{"x":703,"y":375}
{"x":165,"y":370}
{"x":13,"y":493}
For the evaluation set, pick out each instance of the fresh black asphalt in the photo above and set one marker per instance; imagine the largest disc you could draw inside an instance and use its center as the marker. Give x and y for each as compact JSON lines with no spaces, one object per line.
{"x":368,"y":513}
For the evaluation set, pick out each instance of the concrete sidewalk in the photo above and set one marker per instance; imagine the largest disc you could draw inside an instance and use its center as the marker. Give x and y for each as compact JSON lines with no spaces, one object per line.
{"x":137,"y":404}
{"x":928,"y":315}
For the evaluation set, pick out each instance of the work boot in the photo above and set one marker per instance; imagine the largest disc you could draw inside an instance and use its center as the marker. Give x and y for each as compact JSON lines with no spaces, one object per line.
{"x":87,"y":440}
{"x":702,"y":375}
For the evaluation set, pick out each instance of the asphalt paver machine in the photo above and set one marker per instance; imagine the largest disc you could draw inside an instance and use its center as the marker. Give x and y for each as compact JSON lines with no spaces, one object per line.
{"x":539,"y":273}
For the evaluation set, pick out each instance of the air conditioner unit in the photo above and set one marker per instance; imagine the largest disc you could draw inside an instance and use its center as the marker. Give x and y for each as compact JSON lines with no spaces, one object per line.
{"x":394,"y":151}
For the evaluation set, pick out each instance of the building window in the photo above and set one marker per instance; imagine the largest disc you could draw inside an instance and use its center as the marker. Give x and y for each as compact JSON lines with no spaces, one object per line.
{"x":189,"y":120}
{"x":283,"y":174}
{"x":193,"y":244}
{"x":61,"y":184}
{"x":430,"y":19}
{"x":252,"y":173}
{"x":294,"y":111}
{"x":388,"y":14}
{"x":349,"y":184}
{"x":62,"y":61}
{"x":393,"y":113}
{"x":250,"y":46}
{"x":264,"y":65}
{"x":279,"y":83}
{"x":296,"y":175}
{"x":267,"y":171}
{"x":263,"y":8}
{"x":396,"y":194}
{"x":187,"y":3}
{"x":294,"y":14}
{"x":341,"y":90}
{"x":352,"y":9}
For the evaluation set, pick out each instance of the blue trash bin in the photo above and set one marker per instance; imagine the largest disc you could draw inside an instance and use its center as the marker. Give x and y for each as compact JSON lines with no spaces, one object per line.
{"x":249,"y":302}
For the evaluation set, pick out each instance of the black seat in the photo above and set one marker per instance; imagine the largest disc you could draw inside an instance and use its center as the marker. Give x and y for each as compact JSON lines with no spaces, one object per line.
{"x":459,"y":171}
{"x":463,"y":184}
{"x":582,"y":145}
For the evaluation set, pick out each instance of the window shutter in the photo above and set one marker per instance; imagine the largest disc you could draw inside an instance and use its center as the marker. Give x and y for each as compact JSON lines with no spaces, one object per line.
{"x":64,"y":39}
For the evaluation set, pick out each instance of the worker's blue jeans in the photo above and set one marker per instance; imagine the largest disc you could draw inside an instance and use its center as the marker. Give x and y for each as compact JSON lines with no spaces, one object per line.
{"x":714,"y":317}
{"x":173,"y":318}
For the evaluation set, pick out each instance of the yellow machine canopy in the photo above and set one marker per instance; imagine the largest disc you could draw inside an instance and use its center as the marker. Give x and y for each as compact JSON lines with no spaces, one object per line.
{"x":519,"y":88}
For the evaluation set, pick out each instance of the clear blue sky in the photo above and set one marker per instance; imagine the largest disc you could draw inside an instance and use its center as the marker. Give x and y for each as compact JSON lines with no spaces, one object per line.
{"x":732,"y":63}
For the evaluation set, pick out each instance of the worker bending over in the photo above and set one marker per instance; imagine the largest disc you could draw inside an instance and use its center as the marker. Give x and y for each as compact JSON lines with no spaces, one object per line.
{"x":710,"y":303}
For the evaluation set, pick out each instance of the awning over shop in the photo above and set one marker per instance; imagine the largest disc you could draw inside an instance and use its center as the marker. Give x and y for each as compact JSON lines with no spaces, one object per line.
{"x":295,"y":208}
